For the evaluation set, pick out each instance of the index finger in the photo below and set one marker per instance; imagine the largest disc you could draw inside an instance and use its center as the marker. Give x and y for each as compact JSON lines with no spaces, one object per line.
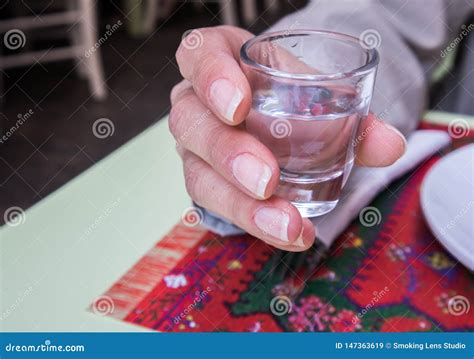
{"x":208,"y":58}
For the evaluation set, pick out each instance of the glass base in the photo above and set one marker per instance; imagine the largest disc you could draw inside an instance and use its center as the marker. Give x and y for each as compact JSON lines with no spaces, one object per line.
{"x":313,"y":195}
{"x":315,"y":209}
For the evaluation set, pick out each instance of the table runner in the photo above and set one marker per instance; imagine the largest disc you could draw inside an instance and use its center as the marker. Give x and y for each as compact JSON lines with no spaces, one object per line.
{"x":387,"y":275}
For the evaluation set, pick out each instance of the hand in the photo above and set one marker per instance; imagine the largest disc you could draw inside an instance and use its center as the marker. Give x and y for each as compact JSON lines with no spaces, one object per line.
{"x":226,"y":169}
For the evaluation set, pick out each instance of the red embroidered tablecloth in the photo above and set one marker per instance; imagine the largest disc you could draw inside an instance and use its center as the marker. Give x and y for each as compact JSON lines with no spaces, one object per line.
{"x":393,"y":276}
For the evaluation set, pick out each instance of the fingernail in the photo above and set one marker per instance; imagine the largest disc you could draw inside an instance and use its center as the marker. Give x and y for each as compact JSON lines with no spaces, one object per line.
{"x":252,"y":173}
{"x":299,"y":241}
{"x":226,"y":97}
{"x":394,"y":129}
{"x":273,"y":221}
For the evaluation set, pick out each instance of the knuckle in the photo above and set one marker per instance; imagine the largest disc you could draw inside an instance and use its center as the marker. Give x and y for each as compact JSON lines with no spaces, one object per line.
{"x":200,"y":52}
{"x":233,"y":33}
{"x":220,"y":141}
{"x":193,"y":41}
{"x":191,"y":178}
{"x":179,"y":113}
{"x":175,"y":92}
{"x":235,"y":210}
{"x":227,"y":27}
{"x":173,"y":119}
{"x":181,"y":51}
{"x":210,"y":65}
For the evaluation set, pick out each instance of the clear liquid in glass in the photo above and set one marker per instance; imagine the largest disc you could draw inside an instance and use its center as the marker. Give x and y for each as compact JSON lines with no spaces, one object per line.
{"x":310,"y":130}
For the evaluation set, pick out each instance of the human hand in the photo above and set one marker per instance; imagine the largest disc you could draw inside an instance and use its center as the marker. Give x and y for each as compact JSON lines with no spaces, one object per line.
{"x":226,"y":169}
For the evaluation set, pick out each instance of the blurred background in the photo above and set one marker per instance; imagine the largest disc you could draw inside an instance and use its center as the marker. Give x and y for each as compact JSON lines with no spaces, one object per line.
{"x":79,"y":78}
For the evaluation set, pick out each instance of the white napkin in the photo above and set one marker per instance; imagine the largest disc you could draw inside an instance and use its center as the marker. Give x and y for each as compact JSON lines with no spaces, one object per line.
{"x":363,"y":186}
{"x":366,"y":183}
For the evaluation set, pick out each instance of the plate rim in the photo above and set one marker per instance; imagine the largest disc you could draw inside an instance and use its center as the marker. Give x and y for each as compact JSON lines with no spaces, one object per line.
{"x":444,"y":240}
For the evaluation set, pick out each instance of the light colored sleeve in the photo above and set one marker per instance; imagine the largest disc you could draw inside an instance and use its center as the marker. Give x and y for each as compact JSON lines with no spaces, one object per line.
{"x":411,"y":36}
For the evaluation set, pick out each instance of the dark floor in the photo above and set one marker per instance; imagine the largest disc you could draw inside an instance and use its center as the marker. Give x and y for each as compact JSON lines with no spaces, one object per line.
{"x":56,"y":142}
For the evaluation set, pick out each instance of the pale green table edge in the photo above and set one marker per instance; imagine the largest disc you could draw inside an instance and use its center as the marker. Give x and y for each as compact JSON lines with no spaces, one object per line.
{"x":78,"y":241}
{"x":445,"y":118}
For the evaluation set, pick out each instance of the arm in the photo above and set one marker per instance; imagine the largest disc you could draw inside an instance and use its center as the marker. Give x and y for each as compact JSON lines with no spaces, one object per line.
{"x":410,"y":36}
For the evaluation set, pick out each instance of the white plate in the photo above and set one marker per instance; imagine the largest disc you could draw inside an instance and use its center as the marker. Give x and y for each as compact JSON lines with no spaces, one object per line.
{"x":447,"y":201}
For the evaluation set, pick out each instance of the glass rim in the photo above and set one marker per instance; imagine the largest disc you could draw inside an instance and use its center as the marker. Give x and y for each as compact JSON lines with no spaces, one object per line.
{"x":373,"y":56}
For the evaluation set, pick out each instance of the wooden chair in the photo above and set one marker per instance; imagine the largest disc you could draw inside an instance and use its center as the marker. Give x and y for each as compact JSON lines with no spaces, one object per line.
{"x":155,"y":9}
{"x":81,"y":16}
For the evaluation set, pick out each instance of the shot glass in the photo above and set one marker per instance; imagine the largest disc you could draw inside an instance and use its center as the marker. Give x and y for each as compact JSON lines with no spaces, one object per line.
{"x":310,"y":91}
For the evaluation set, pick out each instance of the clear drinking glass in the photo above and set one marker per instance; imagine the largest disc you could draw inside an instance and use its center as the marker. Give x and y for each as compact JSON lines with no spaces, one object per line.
{"x":310,"y":90}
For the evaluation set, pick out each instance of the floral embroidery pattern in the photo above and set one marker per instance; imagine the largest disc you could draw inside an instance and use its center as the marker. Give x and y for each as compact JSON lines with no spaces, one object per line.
{"x":175,"y":281}
{"x":398,"y":252}
{"x":401,"y":254}
{"x":314,"y":315}
{"x":234,"y":264}
{"x":439,"y":261}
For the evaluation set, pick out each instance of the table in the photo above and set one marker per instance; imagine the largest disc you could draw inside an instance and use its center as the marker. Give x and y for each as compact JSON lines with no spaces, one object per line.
{"x":78,"y":241}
